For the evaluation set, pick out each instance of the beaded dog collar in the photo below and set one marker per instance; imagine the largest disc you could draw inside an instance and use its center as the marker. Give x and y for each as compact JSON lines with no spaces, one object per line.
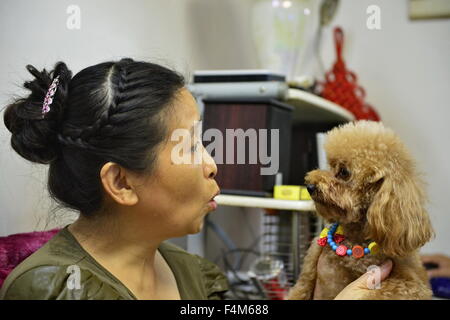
{"x":335,"y":235}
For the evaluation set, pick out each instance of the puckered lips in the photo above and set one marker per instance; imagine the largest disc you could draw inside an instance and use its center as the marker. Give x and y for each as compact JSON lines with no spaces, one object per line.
{"x":212,"y":203}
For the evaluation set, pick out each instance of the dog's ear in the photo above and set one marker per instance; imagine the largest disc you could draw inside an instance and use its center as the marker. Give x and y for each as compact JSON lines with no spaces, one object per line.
{"x":396,"y":218}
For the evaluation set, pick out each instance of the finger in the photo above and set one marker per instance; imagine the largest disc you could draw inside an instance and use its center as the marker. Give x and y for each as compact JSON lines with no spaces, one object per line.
{"x":386,"y":269}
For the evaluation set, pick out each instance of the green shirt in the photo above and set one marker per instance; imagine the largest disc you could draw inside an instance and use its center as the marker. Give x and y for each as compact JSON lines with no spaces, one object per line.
{"x":48,"y":274}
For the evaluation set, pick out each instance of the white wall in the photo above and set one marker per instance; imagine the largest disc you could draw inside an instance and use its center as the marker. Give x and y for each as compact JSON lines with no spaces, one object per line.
{"x":404,"y":68}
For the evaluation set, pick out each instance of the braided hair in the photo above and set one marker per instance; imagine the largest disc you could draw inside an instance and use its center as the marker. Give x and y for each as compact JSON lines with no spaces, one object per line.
{"x":112,"y":111}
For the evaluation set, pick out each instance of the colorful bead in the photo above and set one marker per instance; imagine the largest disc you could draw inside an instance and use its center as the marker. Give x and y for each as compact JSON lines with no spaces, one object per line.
{"x":358,"y":252}
{"x":341,"y":250}
{"x":324,"y":232}
{"x":335,"y":235}
{"x":338,"y":238}
{"x":322,"y":242}
{"x":374,"y":248}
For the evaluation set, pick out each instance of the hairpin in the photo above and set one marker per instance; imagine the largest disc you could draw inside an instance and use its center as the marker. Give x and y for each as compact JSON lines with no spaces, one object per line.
{"x":49,"y":96}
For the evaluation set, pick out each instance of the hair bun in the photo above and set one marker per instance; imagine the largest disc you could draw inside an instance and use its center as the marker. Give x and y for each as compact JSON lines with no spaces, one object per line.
{"x":34,"y":135}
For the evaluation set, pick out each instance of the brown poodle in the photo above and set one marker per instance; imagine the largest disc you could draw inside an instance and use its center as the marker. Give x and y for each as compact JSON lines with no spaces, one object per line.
{"x":373,"y":191}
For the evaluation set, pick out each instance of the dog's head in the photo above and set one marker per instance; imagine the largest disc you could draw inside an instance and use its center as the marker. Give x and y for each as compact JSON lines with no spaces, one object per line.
{"x":372,"y":181}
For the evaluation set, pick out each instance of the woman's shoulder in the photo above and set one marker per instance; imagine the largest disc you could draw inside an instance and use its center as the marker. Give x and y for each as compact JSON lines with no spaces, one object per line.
{"x":57,"y":282}
{"x":195,"y":272}
{"x":58,"y":270}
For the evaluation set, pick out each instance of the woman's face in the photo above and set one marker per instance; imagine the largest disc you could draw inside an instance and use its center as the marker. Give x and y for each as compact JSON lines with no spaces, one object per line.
{"x":176,"y":197}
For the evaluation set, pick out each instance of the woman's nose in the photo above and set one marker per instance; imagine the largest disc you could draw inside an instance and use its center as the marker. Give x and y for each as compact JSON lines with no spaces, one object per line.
{"x":209,"y":165}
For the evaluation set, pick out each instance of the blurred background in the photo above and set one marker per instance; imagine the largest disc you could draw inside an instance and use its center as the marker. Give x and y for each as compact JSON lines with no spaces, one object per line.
{"x":401,"y":58}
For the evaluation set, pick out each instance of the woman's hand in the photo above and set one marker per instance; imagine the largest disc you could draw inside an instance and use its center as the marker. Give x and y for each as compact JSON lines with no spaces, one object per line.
{"x":443,"y":265}
{"x":359,"y":289}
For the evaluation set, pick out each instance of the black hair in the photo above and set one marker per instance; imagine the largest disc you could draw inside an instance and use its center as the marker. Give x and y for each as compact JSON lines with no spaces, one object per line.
{"x":112,"y":111}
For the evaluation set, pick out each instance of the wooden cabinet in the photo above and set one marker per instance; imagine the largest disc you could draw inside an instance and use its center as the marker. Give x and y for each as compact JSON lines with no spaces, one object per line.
{"x":244,"y":124}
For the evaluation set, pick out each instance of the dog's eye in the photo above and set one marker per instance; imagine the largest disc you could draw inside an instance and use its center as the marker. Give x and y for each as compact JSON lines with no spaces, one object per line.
{"x":343,"y":173}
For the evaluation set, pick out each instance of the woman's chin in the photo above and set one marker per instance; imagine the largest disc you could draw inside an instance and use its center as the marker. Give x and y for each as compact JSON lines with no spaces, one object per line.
{"x":197,"y":227}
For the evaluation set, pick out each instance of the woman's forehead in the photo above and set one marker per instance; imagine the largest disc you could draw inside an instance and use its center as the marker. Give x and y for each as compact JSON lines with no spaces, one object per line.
{"x":186,"y":111}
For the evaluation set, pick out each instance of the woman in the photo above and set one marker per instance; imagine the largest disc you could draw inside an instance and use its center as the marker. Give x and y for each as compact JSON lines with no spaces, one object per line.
{"x":106,"y":135}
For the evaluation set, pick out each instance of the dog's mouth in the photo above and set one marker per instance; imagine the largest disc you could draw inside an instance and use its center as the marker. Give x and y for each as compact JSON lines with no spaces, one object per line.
{"x":329,"y":210}
{"x":317,"y":198}
{"x":324,"y":193}
{"x":331,"y":205}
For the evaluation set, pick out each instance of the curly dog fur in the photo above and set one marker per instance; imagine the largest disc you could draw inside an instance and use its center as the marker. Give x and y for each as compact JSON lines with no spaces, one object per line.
{"x":373,"y":190}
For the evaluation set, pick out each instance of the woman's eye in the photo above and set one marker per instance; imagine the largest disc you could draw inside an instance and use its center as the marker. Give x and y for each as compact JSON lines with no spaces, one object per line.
{"x":194,"y":148}
{"x":343,"y":173}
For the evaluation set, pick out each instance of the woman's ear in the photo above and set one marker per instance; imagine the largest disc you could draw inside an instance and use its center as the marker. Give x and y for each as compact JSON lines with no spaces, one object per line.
{"x":397,"y":219}
{"x":117,"y":184}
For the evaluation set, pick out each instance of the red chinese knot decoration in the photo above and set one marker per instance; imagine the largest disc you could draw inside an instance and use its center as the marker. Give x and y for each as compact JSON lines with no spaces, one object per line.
{"x":341,"y":86}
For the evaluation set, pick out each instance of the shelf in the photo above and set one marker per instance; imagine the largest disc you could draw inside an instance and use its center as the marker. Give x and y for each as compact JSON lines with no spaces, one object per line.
{"x":266,"y":203}
{"x":314,"y":109}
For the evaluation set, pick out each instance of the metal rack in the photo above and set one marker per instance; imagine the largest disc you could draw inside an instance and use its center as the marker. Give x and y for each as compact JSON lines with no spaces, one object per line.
{"x":286,"y":230}
{"x":286,"y":237}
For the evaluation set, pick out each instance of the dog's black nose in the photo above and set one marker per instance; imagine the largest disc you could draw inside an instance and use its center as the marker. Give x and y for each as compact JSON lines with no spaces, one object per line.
{"x":311,"y":188}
